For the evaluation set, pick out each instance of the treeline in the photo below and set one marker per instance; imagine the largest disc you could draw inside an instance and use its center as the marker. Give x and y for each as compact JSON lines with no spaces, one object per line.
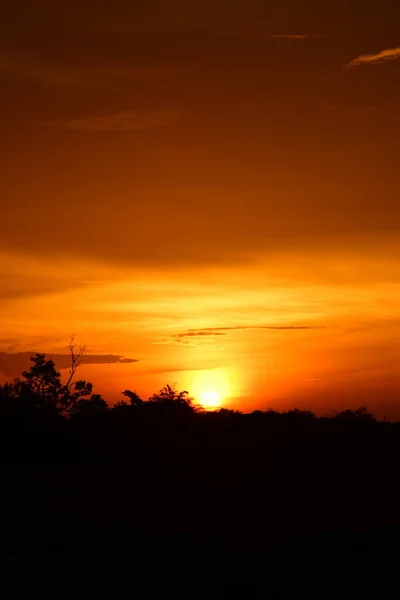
{"x":40,"y":391}
{"x":159,"y":490}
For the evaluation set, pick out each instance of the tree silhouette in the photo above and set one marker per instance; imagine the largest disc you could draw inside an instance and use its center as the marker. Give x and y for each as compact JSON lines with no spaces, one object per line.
{"x":41,"y":388}
{"x":134,"y":398}
{"x":76,"y":360}
{"x":121,"y":404}
{"x":228,"y":412}
{"x":168,"y":401}
{"x":43,"y":379}
{"x":298,"y":414}
{"x":168,"y":395}
{"x":88,"y":406}
{"x":360,"y":414}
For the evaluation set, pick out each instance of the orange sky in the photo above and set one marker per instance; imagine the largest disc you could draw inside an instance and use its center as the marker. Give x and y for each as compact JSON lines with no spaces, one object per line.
{"x":210,"y":188}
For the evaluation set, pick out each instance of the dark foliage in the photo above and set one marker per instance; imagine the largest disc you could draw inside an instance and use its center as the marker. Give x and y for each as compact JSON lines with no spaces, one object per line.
{"x":200,"y":503}
{"x":41,"y":390}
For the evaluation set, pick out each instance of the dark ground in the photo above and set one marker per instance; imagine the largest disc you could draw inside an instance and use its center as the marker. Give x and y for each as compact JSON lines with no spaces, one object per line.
{"x":145,"y":504}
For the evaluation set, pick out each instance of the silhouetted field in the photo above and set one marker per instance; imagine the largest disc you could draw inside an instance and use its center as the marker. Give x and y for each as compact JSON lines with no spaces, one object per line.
{"x":157,"y":497}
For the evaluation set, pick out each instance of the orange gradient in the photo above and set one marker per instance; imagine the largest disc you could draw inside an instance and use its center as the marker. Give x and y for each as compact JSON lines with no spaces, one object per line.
{"x":209,"y":189}
{"x":260,"y":335}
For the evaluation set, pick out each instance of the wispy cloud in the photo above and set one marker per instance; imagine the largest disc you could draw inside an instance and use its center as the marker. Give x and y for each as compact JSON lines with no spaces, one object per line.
{"x":379,"y":57}
{"x":127,"y":120}
{"x":197,"y":333}
{"x":221,"y":330}
{"x":205,"y":335}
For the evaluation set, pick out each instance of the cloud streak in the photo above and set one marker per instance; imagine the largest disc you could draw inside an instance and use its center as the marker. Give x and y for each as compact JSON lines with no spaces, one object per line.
{"x":11,"y":364}
{"x":205,"y":335}
{"x":222,"y":330}
{"x":371,"y":59}
{"x":127,"y":120}
{"x":195,"y":333}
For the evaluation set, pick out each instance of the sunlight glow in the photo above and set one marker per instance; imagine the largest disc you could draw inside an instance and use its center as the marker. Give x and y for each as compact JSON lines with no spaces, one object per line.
{"x":210,"y":399}
{"x":212,"y":388}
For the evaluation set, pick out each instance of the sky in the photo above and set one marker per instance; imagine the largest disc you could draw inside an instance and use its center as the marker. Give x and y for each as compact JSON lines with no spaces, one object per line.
{"x":210,"y":189}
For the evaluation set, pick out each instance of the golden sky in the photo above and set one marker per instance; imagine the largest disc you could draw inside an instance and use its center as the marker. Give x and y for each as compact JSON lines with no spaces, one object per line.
{"x":211,"y":188}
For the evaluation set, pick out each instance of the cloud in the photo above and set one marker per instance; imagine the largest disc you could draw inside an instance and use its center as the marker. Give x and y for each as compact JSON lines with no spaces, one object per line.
{"x":191,"y":338}
{"x":379,"y":57}
{"x":127,"y":120}
{"x":11,"y":364}
{"x":195,"y":333}
{"x":215,"y":330}
{"x":205,"y":335}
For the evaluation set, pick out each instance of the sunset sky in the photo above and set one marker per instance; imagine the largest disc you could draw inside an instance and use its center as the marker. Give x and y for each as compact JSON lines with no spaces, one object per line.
{"x":210,"y":188}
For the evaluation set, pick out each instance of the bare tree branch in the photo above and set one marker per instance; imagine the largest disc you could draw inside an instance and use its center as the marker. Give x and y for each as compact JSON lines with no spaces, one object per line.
{"x":76,"y":360}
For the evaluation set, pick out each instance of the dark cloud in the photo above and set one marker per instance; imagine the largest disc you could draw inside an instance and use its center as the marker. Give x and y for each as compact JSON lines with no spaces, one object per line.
{"x":193,"y":336}
{"x":11,"y":364}
{"x":197,"y":333}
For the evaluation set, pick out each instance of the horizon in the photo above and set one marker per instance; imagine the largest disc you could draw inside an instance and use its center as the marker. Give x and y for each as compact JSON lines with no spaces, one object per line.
{"x":210,"y":191}
{"x":12,"y":365}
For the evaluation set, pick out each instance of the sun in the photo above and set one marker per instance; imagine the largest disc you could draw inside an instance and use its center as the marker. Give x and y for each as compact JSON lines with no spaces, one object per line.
{"x":212,"y":388}
{"x":210,"y":399}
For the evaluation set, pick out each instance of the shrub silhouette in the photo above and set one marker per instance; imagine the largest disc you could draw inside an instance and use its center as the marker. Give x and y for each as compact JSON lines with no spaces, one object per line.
{"x":134,"y":399}
{"x":360,"y":414}
{"x":168,"y":395}
{"x":170,"y":401}
{"x":88,"y":406}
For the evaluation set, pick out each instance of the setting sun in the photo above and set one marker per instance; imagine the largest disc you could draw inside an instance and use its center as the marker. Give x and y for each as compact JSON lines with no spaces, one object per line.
{"x":213,"y":388}
{"x":210,"y":399}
